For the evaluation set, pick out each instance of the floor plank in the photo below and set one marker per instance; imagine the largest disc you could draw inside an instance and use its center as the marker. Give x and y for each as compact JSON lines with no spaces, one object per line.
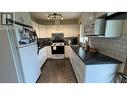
{"x":57,"y":71}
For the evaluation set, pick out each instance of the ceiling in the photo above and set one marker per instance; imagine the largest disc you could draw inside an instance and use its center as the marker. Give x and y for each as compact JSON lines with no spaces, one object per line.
{"x":66,"y":15}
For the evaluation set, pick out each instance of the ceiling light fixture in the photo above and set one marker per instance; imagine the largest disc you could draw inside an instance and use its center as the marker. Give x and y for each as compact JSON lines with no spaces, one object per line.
{"x":55,"y":16}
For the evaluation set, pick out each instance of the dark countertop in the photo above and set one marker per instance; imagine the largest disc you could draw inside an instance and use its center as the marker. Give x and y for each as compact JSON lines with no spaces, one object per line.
{"x":90,"y":58}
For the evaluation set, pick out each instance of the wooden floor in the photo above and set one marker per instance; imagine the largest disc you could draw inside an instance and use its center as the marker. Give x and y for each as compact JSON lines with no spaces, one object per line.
{"x":57,"y":71}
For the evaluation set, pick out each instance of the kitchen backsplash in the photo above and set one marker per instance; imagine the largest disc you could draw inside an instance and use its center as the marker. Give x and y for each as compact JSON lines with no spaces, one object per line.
{"x":113,"y":47}
{"x":48,"y":41}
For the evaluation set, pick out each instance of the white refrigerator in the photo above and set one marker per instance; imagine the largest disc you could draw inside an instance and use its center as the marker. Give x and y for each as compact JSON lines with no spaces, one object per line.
{"x":24,"y":67}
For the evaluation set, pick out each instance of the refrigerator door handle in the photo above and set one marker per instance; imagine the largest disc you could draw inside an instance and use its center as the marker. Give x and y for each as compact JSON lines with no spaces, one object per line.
{"x":37,"y":42}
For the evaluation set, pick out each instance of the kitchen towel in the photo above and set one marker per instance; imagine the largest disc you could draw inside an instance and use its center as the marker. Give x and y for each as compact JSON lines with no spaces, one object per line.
{"x":54,"y":47}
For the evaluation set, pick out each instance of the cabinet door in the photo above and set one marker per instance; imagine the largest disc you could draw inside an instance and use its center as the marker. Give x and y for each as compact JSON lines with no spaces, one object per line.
{"x":49,"y":30}
{"x":48,"y":51}
{"x":42,"y":31}
{"x":66,"y":31}
{"x":42,"y":56}
{"x":113,"y":28}
{"x":66,"y":51}
{"x":75,"y":66}
{"x":100,"y":26}
{"x":45,"y":53}
{"x":104,"y":73}
{"x":78,"y":66}
{"x":58,"y":28}
{"x":70,"y":30}
{"x":74,"y":30}
{"x":81,"y":66}
{"x":36,"y":27}
{"x":70,"y":54}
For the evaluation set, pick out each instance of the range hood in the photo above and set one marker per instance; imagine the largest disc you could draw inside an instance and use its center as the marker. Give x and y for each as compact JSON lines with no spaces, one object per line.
{"x":114,"y":16}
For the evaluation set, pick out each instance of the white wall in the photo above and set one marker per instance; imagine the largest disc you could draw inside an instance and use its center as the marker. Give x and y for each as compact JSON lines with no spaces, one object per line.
{"x":23,"y":17}
{"x":45,"y":31}
{"x":7,"y":67}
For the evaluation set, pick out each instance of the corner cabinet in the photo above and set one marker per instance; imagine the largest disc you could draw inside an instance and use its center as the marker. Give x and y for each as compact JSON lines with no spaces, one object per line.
{"x":113,"y":28}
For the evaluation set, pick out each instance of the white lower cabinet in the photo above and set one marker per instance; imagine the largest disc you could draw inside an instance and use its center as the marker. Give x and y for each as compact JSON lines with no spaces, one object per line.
{"x":94,"y":73}
{"x":103,"y":73}
{"x":44,"y":53}
{"x":66,"y":51}
{"x":42,"y":56}
{"x":48,"y":51}
{"x":77,"y":64}
{"x":79,"y":67}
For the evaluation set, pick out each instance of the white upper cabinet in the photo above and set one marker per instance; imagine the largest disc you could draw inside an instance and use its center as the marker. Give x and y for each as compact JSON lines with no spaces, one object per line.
{"x":113,"y":28}
{"x":100,"y":27}
{"x":45,"y":31}
{"x":42,"y":31}
{"x":95,"y":24}
{"x":49,"y":30}
{"x":36,"y":27}
{"x":70,"y":30}
{"x":57,"y":29}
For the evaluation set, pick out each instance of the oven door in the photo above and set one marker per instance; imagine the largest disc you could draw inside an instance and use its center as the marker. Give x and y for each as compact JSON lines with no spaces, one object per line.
{"x":57,"y":50}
